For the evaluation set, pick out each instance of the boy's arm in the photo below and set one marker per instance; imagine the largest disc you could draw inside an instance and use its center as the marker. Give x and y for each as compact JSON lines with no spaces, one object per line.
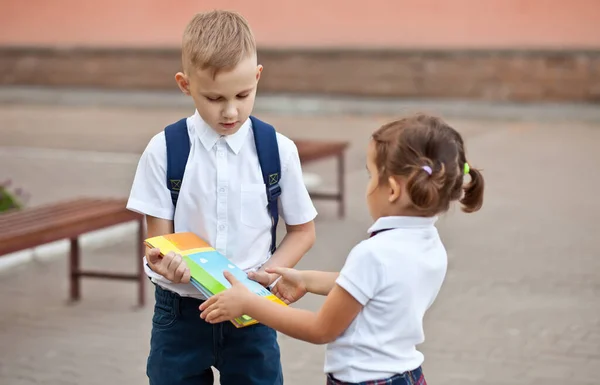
{"x":298,"y":212}
{"x":150,"y":196}
{"x":297,"y":241}
{"x":158,"y":226}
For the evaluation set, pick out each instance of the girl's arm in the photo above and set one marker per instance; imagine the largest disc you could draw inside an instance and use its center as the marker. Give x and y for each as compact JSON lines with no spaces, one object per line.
{"x":336,"y":314}
{"x":319,"y":282}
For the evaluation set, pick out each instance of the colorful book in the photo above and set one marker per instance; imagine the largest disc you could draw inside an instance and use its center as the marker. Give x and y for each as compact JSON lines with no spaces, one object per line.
{"x":206,"y":268}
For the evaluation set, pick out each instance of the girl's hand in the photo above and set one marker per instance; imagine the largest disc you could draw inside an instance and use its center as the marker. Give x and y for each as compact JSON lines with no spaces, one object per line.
{"x":228,"y":304}
{"x":262,"y":277}
{"x":290,"y":287}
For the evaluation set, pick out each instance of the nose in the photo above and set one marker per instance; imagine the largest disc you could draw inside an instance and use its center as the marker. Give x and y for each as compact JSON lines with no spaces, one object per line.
{"x":230,"y":111}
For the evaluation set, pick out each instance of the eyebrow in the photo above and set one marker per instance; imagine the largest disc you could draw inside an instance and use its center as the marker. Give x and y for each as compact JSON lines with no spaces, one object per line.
{"x":215,"y":95}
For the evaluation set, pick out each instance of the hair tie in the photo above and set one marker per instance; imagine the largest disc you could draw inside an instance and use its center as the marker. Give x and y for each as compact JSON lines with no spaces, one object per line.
{"x":428,"y":169}
{"x":466,"y":168}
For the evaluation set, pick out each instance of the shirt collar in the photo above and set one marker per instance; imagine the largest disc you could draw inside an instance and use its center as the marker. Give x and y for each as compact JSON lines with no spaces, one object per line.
{"x":209,"y":137}
{"x":390,"y":223}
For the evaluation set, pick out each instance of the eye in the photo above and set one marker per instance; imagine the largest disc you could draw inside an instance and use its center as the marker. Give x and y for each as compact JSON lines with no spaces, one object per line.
{"x":244,"y":96}
{"x":213,"y":99}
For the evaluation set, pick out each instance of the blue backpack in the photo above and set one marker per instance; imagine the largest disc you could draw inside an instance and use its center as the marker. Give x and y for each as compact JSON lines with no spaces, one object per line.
{"x":178,"y":150}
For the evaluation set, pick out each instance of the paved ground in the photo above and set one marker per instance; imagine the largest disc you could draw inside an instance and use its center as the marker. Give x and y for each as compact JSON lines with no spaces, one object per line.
{"x":519,"y":306}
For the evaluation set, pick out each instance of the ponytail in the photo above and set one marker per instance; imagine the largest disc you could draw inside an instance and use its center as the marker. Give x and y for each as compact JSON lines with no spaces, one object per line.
{"x":473,"y":192}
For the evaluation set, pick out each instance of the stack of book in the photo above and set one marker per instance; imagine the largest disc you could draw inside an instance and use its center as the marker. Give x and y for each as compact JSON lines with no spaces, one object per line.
{"x":206,"y":268}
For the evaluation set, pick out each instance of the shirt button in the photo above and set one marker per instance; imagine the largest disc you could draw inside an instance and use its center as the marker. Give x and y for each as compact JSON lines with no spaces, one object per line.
{"x":221,"y":190}
{"x":220,"y":153}
{"x":222,"y":227}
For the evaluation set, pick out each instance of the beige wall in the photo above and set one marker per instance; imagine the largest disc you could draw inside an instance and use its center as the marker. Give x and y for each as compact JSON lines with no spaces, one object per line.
{"x":311,"y":23}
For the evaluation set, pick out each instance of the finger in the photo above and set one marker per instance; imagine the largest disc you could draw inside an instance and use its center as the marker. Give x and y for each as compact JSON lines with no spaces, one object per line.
{"x":230,"y":278}
{"x":220,"y":319}
{"x":165,"y":261}
{"x":186,"y":276}
{"x":153,"y":255}
{"x":278,"y":270}
{"x":284,"y":299}
{"x":174,"y":262}
{"x":214,"y":315}
{"x":212,"y":307}
{"x":173,"y":265}
{"x":208,"y":302}
{"x":261,"y":277}
{"x":275,"y":290}
{"x":277,"y":293}
{"x":206,"y":313}
{"x":257,"y":275}
{"x":179,"y":273}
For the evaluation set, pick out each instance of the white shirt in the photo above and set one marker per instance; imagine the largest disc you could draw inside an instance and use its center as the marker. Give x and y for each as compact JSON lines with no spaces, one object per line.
{"x":396,"y":275}
{"x":222,"y":197}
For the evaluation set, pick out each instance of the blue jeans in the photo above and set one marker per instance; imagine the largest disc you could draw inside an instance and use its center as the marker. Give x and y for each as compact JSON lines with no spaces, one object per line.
{"x":413,"y":377}
{"x":183,"y":347}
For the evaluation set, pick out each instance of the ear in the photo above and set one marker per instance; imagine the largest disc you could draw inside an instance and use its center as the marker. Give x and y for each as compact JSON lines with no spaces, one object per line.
{"x":183,"y":82}
{"x":259,"y":70}
{"x":395,"y":189}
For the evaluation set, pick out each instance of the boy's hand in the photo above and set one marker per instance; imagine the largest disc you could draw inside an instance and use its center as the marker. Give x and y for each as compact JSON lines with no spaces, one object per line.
{"x":291,"y":287}
{"x":171,"y":266}
{"x":228,"y":304}
{"x":262,"y":277}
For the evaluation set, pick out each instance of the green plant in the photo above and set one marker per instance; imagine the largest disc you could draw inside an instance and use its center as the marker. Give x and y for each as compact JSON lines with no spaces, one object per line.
{"x":11,"y":200}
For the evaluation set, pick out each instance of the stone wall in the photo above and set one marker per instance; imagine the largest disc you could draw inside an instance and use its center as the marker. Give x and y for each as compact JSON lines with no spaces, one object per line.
{"x":509,"y":75}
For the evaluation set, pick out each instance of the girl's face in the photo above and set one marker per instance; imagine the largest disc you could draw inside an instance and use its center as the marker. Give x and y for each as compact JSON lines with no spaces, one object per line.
{"x":384,"y":198}
{"x":376,"y":197}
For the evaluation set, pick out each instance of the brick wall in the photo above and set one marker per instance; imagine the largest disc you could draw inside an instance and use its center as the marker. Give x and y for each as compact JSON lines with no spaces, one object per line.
{"x":483,"y":75}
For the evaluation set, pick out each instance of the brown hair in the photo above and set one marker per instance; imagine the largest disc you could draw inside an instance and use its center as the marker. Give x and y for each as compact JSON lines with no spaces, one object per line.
{"x":409,"y":146}
{"x":216,"y":40}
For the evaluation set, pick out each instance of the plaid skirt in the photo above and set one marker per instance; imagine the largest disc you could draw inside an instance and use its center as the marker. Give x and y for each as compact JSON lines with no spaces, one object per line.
{"x":414,"y":377}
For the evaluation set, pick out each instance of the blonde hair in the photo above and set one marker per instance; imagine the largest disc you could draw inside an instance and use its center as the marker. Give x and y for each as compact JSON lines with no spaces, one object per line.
{"x":216,"y":40}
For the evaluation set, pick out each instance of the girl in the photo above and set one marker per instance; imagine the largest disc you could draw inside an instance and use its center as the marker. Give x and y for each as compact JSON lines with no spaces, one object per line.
{"x":372,"y":318}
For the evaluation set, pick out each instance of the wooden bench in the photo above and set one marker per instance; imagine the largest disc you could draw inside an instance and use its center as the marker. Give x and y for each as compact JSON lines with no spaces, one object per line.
{"x":313,"y":150}
{"x":28,"y":228}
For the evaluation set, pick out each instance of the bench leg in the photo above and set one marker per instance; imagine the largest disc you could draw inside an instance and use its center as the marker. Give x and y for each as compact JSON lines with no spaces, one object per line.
{"x":341,"y":185}
{"x":74,"y":269}
{"x":141,"y":249}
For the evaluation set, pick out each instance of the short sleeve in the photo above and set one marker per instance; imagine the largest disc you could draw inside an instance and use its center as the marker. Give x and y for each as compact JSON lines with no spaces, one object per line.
{"x":362,"y":274}
{"x":149,"y":193}
{"x":295,"y":202}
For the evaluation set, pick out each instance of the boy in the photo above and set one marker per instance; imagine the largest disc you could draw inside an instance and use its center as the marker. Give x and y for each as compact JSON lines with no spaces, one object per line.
{"x":222,"y":199}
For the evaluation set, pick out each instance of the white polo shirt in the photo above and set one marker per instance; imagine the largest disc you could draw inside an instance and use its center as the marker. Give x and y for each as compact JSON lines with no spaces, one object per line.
{"x":222,"y":197}
{"x":395,"y":274}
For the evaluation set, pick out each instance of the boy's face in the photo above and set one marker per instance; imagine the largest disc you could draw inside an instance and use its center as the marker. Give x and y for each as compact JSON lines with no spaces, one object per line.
{"x":225,"y":101}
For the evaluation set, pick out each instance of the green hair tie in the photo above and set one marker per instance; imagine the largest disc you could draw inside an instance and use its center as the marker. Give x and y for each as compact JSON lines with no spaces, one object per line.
{"x":467,"y":169}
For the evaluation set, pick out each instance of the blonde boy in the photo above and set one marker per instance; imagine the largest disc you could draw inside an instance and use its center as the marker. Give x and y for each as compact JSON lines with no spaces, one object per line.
{"x":222,"y":199}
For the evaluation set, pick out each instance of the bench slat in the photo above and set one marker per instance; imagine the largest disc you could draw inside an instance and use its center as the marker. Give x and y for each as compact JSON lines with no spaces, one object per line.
{"x":61,"y":219}
{"x":309,"y":150}
{"x":43,"y":213}
{"x":64,"y":223}
{"x":61,"y":215}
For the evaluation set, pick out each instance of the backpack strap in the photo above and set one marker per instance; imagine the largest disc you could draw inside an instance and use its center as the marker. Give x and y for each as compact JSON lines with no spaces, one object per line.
{"x":178,"y":150}
{"x":265,"y":138}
